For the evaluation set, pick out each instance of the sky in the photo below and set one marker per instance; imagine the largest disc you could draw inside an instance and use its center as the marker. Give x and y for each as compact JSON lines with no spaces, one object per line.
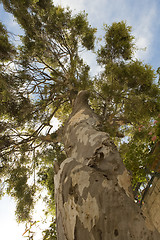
{"x":142,"y":15}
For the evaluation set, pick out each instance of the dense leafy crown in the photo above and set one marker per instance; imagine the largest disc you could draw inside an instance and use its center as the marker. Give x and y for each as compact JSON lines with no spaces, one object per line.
{"x":40,"y":79}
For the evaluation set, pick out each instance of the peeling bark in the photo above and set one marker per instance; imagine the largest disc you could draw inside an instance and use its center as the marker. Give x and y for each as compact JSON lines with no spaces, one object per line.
{"x":151,"y":207}
{"x":93,"y":193}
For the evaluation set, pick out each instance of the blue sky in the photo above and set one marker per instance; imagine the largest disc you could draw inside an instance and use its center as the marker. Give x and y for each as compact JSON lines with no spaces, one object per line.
{"x":142,"y":15}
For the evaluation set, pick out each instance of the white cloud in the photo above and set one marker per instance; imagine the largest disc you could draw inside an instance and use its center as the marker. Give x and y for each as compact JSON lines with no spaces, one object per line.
{"x":141,"y":15}
{"x":9,"y":227}
{"x":74,"y":5}
{"x":144,"y":30}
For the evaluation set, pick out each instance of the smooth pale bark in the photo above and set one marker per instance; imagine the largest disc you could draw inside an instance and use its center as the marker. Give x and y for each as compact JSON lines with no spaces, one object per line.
{"x":151,"y":206}
{"x":92,"y":187}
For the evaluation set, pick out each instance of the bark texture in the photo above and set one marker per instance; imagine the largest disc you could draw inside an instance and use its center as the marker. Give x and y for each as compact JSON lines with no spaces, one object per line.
{"x":151,"y":207}
{"x":92,"y":187}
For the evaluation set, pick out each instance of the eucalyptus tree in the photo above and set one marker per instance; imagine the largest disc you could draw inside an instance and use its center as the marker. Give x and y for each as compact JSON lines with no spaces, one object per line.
{"x":47,"y":77}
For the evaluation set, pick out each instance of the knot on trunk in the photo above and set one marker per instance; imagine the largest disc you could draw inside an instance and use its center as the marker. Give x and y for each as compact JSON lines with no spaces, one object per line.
{"x":81,"y":101}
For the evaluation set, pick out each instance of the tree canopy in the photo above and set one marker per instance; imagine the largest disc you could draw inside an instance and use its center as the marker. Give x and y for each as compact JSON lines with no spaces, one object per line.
{"x":39,"y":80}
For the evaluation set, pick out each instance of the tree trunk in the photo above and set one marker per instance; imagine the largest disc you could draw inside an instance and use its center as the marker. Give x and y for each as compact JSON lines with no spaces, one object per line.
{"x":151,"y":200}
{"x":94,"y":200}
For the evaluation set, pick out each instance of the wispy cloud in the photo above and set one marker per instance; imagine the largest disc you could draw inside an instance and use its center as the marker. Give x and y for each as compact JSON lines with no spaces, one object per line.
{"x":143,"y":29}
{"x":140,"y":14}
{"x":76,"y":5}
{"x":11,"y":229}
